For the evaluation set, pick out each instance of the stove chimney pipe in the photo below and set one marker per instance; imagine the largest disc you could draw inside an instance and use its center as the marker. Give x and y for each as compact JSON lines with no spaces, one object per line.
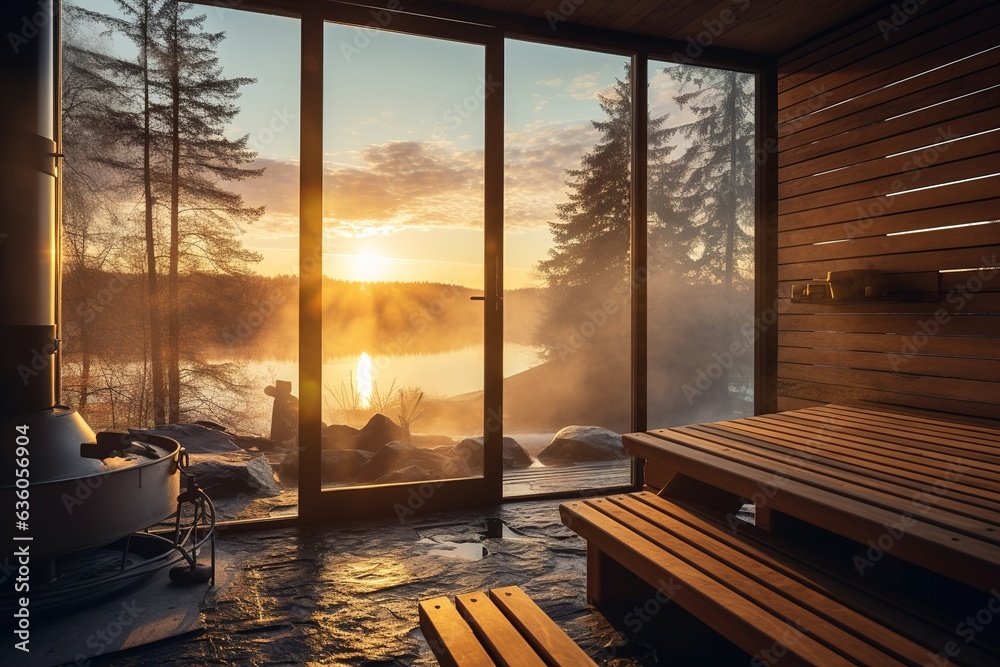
{"x":28,"y":233}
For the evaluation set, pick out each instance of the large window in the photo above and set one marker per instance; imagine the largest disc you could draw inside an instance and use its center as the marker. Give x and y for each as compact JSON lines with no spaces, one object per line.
{"x":566,"y":235}
{"x":700,"y":231}
{"x":180,"y":303}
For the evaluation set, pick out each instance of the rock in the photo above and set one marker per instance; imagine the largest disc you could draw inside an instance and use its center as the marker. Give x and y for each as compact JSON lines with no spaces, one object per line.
{"x":343,"y":465}
{"x":253,"y":442}
{"x":338,"y":465}
{"x":470,"y":450}
{"x":339,"y":436}
{"x":396,"y":456}
{"x":432,"y":441}
{"x":226,"y":475}
{"x":575,"y":444}
{"x":196,"y":439}
{"x":379,"y":431}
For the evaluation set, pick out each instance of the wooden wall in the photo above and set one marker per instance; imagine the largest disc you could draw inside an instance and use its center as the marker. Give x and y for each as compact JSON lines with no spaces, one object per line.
{"x":879,"y":124}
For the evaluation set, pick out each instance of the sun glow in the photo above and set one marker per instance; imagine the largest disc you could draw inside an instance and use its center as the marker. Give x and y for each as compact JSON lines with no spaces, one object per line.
{"x":365,"y":381}
{"x":367,"y":267}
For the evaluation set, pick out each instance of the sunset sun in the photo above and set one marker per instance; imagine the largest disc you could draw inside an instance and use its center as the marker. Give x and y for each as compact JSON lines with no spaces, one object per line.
{"x":368,"y":266}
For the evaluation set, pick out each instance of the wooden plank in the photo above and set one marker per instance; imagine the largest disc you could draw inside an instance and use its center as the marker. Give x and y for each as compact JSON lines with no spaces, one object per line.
{"x":862,"y":227}
{"x":502,"y":640}
{"x":786,"y":403}
{"x":861,"y":214}
{"x":908,"y":325}
{"x":804,"y":608}
{"x":957,"y":346}
{"x":986,"y":457}
{"x":955,"y":433}
{"x":551,"y":643}
{"x":942,"y":85}
{"x":818,"y":391}
{"x":900,"y":59}
{"x":713,"y":602}
{"x":902,"y":472}
{"x":888,"y":442}
{"x":904,"y":616}
{"x":963,"y":508}
{"x":858,"y":518}
{"x":898,"y":182}
{"x":864,"y":38}
{"x":449,"y":636}
{"x":931,"y":260}
{"x":969,"y":115}
{"x":911,"y":167}
{"x":961,"y":237}
{"x":976,"y":303}
{"x":966,"y":390}
{"x":895,"y":362}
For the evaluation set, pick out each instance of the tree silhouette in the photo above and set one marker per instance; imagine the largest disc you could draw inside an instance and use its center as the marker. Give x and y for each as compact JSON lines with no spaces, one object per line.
{"x":199,"y":104}
{"x":715,"y":184}
{"x":164,"y":113}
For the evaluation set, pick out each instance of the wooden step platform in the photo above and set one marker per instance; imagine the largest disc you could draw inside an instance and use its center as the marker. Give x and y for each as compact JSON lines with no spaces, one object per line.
{"x":502,"y":626}
{"x":757,"y":590}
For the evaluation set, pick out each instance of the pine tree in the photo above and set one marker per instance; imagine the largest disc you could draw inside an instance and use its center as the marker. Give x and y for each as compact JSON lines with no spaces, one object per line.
{"x":589,"y":260}
{"x":715,"y":185}
{"x":199,"y":104}
{"x":127,"y":110}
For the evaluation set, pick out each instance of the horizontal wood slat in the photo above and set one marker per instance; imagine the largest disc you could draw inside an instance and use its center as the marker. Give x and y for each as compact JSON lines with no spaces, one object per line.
{"x":905,"y":180}
{"x":960,"y":78}
{"x":908,"y":325}
{"x":961,"y":117}
{"x":961,"y":237}
{"x":867,"y":37}
{"x":947,"y":346}
{"x":960,"y":389}
{"x":862,"y":213}
{"x":897,"y":361}
{"x":955,"y":258}
{"x":905,"y":221}
{"x":824,"y":392}
{"x":911,"y":167}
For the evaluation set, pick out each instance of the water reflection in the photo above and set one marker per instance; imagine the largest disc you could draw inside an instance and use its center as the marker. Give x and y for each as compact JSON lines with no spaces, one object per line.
{"x":365,"y":379}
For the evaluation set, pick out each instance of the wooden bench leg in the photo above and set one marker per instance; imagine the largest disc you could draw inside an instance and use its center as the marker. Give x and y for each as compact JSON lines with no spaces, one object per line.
{"x":608,"y":581}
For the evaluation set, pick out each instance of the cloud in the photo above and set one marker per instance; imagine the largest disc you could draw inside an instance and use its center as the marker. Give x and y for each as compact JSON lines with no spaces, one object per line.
{"x":418,"y":185}
{"x":404,"y":183}
{"x":588,"y":86}
{"x":549,"y":82}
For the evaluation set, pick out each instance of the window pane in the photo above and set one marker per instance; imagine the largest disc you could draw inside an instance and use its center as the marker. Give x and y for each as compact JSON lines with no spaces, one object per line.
{"x":201,"y":336}
{"x":701,"y":244}
{"x":403,"y":249}
{"x":567,"y":312}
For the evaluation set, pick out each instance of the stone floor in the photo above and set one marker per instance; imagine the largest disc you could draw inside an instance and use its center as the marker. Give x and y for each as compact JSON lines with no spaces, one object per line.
{"x":346,"y":594}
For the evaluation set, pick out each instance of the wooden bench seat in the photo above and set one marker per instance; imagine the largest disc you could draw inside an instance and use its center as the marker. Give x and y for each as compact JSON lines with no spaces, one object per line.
{"x":757,"y":590}
{"x":502,"y":627}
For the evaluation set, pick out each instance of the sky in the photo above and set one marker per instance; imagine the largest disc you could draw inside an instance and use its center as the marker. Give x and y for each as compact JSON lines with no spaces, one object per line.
{"x":403,"y":145}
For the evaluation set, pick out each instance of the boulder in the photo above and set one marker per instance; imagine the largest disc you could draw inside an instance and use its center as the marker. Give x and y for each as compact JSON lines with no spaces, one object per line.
{"x":394,"y":457}
{"x":575,"y":444}
{"x":233,"y":474}
{"x":339,"y":436}
{"x":195,"y":438}
{"x":432,"y":441}
{"x":338,"y":465}
{"x":470,"y":451}
{"x":343,"y":465}
{"x":379,"y":431}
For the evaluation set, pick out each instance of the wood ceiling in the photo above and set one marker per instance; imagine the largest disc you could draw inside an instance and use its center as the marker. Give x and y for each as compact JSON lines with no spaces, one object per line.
{"x":758,"y":26}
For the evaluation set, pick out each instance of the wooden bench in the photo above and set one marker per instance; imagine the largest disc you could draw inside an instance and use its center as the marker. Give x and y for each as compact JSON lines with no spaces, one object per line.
{"x":502,"y":626}
{"x":757,"y":590}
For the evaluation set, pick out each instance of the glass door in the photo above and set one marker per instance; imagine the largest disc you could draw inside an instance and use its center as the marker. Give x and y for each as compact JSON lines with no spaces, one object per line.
{"x":409,"y":300}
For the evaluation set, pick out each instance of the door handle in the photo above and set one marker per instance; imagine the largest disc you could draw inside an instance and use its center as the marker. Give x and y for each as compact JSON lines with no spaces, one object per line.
{"x":477,"y":298}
